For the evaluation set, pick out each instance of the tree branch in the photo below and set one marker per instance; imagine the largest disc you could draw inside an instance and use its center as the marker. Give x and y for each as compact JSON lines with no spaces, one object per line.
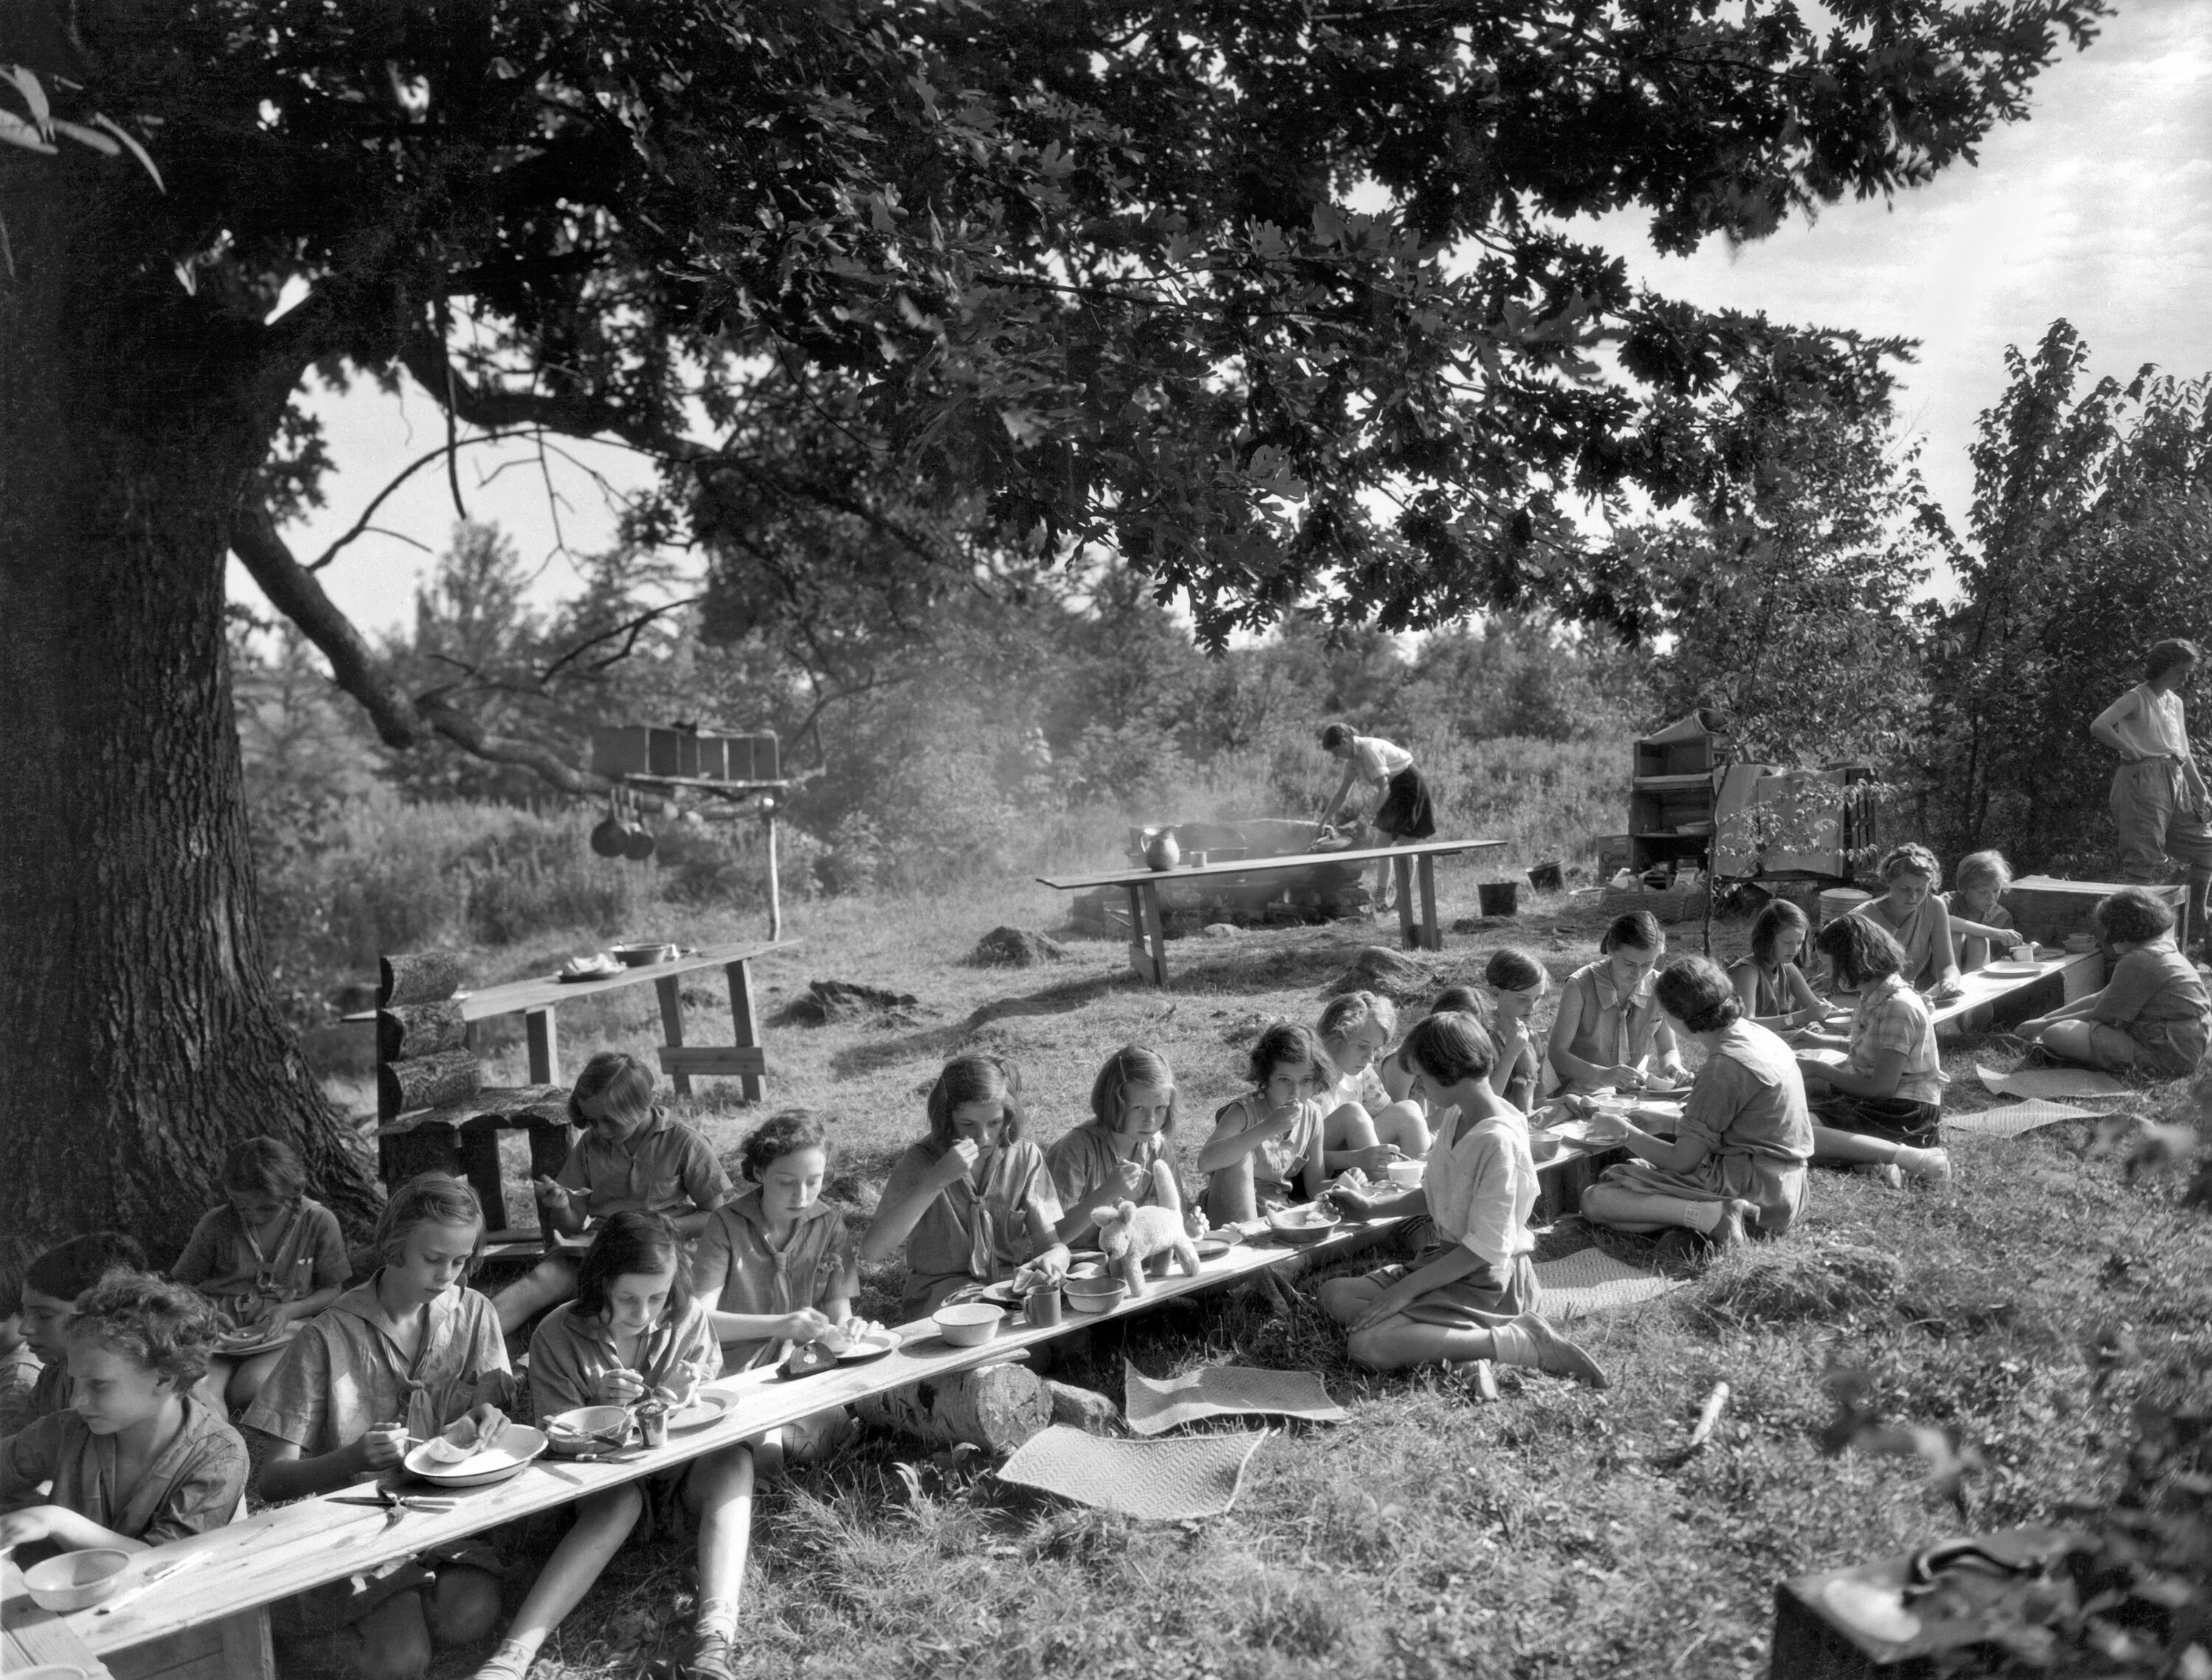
{"x":635,"y":626}
{"x":362,"y":526}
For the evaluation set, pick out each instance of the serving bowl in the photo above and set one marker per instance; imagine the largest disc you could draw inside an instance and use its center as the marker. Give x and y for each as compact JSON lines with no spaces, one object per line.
{"x":2080,"y":944}
{"x":1406,"y":1173}
{"x":76,"y":1580}
{"x":1095,"y":1294}
{"x":1302,"y":1226}
{"x":969,"y":1324}
{"x":637,"y":957}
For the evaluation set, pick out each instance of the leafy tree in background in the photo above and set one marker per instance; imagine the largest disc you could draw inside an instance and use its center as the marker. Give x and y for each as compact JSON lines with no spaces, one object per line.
{"x":2093,"y":525}
{"x":1082,"y":275}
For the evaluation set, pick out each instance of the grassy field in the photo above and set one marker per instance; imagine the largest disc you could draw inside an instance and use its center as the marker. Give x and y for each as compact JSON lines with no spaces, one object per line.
{"x":1552,"y":1534}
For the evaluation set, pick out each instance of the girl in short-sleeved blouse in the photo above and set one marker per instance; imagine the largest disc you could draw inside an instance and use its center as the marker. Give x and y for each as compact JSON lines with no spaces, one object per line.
{"x":2152,"y":1017}
{"x":1609,"y":1026}
{"x":1912,"y":913}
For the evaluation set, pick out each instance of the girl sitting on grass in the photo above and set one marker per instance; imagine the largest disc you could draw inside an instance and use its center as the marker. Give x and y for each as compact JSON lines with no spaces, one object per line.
{"x":138,"y":1459}
{"x":1470,"y":1293}
{"x":1913,"y":916}
{"x":1398,"y":1078}
{"x":1879,"y":1109}
{"x":1266,"y":1150}
{"x":634,"y":1332}
{"x":972,"y":1201}
{"x":1737,"y":1161}
{"x":1769,"y":984}
{"x":775,"y":1266}
{"x":1608,"y":1028}
{"x":1981,"y":927}
{"x":632,"y":1158}
{"x":269,"y":1256}
{"x":1364,"y":1127}
{"x":1517,"y":984}
{"x":409,"y":1352}
{"x":1124,"y":1152}
{"x":2151,"y":1017}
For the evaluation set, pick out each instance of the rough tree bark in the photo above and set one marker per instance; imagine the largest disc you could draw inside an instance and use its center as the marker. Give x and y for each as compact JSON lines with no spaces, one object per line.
{"x":139,"y":1035}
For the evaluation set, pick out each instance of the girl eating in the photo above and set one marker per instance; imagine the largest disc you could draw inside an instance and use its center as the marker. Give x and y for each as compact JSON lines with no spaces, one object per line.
{"x":972,"y":1201}
{"x":1124,"y":1152}
{"x":1981,"y":927}
{"x":409,"y":1352}
{"x":1398,"y":1078}
{"x":1363,"y":1128}
{"x":1517,"y":984}
{"x":1737,"y":1161}
{"x":632,"y":1158}
{"x":776,"y":1265}
{"x":138,"y":1459}
{"x":1471,"y":1291}
{"x":1911,"y":914}
{"x":1880,"y":1108}
{"x":634,"y":1332}
{"x":268,"y":1258}
{"x":2151,"y":1017}
{"x":1269,"y":1140}
{"x":1768,"y":982}
{"x":1609,"y":1027}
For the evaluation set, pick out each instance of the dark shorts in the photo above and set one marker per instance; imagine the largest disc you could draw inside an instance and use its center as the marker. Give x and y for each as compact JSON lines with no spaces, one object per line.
{"x":1407,"y":812}
{"x":1892,"y":1119}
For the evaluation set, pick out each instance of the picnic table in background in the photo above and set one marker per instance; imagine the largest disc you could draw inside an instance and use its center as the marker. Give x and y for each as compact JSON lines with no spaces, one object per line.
{"x":1412,"y":863}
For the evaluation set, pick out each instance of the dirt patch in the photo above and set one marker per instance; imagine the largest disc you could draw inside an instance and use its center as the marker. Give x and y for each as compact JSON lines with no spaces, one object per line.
{"x":1006,"y":946}
{"x":829,"y":1003}
{"x":1398,"y":978}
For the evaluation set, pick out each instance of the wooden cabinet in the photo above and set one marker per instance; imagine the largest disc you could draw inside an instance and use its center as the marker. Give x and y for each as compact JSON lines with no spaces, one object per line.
{"x":1672,"y":798}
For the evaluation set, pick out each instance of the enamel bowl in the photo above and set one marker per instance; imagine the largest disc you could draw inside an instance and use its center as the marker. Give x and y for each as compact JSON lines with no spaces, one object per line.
{"x":969,"y":1324}
{"x":76,"y":1580}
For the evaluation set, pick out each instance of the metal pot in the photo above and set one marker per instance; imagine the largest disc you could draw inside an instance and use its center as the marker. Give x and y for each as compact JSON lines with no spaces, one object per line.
{"x":1161,"y":852}
{"x":608,"y":834}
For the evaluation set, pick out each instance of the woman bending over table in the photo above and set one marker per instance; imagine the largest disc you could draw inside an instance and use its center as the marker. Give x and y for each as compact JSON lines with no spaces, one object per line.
{"x":1609,"y":1026}
{"x":2152,"y":1017}
{"x":1912,"y":914}
{"x":1737,"y":1162}
{"x":1403,"y":810}
{"x":1879,"y":1108}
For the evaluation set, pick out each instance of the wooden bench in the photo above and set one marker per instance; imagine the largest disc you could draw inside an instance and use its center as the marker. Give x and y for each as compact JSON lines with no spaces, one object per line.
{"x":1148,"y":946}
{"x":213,"y":1624}
{"x":434,"y":1112}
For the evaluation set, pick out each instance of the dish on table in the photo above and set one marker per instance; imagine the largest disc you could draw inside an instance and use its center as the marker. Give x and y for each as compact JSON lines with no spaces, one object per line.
{"x":516,"y":1448}
{"x":1211,"y":1248}
{"x":598,"y":966}
{"x":968,"y":1323}
{"x":246,"y":1344}
{"x":1096,"y":1294}
{"x":2006,"y":971}
{"x":704,"y":1409}
{"x":869,"y":1344}
{"x":639,"y":956}
{"x":77,"y":1579}
{"x":1302,"y":1225}
{"x":589,"y":1429}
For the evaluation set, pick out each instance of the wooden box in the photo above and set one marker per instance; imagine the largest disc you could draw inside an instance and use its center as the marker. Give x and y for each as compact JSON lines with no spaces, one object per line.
{"x":1614,"y":854}
{"x":2047,"y":909}
{"x":621,"y":750}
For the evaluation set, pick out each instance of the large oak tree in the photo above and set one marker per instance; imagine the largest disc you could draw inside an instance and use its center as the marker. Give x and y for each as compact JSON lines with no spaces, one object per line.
{"x":1283,"y":298}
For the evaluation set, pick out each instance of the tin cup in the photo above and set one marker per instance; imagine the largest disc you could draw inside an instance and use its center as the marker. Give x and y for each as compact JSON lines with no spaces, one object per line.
{"x":653,"y":1423}
{"x":2023,"y":952}
{"x":1042,"y":1305}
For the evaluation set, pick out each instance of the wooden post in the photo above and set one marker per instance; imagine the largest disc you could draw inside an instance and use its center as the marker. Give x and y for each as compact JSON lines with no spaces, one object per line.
{"x":1432,"y":938}
{"x":1156,"y":933}
{"x":479,"y":1155}
{"x":740,"y":974}
{"x":1401,"y":872}
{"x":1140,"y":960}
{"x":671,"y":1026}
{"x":774,"y":889}
{"x":545,"y":1047}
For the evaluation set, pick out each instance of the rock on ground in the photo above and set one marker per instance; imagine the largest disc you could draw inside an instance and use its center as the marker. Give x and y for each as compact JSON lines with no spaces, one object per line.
{"x":1014,"y":947}
{"x":830,"y":1001}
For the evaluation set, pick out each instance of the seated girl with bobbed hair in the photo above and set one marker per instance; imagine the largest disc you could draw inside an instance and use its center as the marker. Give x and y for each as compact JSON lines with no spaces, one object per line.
{"x":1364,"y":1127}
{"x":1609,"y":1030}
{"x":1736,"y":1163}
{"x":1397,"y":1078}
{"x":2151,"y":1017}
{"x":1912,"y":913}
{"x":1769,"y":984}
{"x":1125,"y":1152}
{"x":1517,"y":984}
{"x":1881,"y":1108}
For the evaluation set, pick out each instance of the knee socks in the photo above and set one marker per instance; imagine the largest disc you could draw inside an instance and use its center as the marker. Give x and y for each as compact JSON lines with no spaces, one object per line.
{"x":1700,"y":1216}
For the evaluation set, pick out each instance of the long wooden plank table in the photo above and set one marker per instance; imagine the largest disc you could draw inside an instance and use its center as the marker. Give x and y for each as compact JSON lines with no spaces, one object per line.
{"x":292,"y":1548}
{"x":1148,"y":949}
{"x":2078,"y":975}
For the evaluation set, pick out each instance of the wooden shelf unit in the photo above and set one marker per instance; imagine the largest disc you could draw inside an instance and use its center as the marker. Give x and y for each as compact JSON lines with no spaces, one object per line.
{"x":1675,"y":782}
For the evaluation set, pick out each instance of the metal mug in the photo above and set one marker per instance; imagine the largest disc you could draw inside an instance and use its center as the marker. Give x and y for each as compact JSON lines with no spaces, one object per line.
{"x":1042,"y":1305}
{"x":2023,"y":952}
{"x":652,"y":1423}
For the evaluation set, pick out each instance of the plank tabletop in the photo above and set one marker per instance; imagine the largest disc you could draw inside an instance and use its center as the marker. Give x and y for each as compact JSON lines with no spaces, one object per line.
{"x":291,"y":1548}
{"x":1981,"y":987}
{"x":516,"y":996}
{"x":1266,"y":865}
{"x":30,"y":1636}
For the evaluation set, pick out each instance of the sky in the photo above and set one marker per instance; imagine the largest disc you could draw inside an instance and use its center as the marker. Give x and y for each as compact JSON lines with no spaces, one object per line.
{"x":2099,"y":208}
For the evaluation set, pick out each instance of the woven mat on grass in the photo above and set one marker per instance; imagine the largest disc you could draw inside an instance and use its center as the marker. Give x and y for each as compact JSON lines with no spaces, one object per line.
{"x":1158,"y":1480}
{"x":1223,"y":1391}
{"x":2014,"y":1118}
{"x":2049,"y":1082}
{"x":1589,"y":1280}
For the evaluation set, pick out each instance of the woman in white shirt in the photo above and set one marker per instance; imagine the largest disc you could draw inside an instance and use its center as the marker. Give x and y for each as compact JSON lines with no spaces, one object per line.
{"x":1403,"y":810}
{"x":2158,"y":798}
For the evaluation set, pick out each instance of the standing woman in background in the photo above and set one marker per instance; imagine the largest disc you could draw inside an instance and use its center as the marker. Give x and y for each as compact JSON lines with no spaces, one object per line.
{"x":1403,"y":812}
{"x":2158,"y":799}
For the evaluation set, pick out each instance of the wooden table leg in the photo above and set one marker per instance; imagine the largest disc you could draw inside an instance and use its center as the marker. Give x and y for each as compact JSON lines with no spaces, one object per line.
{"x":1433,"y":937}
{"x":1401,"y":872}
{"x":672,"y":1026}
{"x":1155,"y":932}
{"x":1140,"y":960}
{"x":741,"y":1014}
{"x":544,"y":1044}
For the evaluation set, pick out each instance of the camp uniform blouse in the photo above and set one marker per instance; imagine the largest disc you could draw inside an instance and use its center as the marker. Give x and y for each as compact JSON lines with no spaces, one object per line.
{"x":1615,"y":1028}
{"x":1279,"y":1165}
{"x":193,"y":1485}
{"x":1892,"y":1015}
{"x":1482,"y":1186}
{"x":225,"y":1264}
{"x":1084,"y":1158}
{"x":569,"y":1353}
{"x":966,"y":1232}
{"x":2156,"y":997}
{"x":342,"y":1373}
{"x":661,"y":1167}
{"x":737,"y":1268}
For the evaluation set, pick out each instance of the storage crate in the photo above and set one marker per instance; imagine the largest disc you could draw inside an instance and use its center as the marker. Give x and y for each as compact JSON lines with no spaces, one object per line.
{"x":1614,"y":853}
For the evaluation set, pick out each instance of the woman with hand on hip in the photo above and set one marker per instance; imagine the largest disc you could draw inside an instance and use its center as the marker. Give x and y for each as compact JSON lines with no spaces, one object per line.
{"x":2158,"y":798}
{"x":1403,"y":812}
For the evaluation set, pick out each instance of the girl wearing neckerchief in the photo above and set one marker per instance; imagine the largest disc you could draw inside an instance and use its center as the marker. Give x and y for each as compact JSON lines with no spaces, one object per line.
{"x":973,"y":1201}
{"x":1610,"y":1025}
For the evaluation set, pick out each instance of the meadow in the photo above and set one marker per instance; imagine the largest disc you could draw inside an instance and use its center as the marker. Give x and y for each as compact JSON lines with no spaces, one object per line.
{"x":1558,"y":1532}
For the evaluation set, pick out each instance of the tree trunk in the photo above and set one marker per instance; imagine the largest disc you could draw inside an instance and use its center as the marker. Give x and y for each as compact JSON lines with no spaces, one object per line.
{"x":139,"y":1038}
